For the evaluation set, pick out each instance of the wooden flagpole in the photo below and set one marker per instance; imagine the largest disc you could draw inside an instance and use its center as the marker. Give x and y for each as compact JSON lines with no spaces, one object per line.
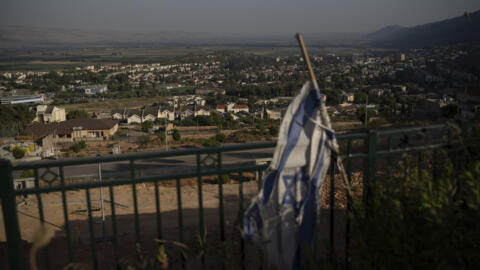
{"x":335,"y":149}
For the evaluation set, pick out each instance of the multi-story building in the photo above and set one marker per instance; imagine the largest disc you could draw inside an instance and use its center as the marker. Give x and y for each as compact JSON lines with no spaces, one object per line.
{"x":49,"y":114}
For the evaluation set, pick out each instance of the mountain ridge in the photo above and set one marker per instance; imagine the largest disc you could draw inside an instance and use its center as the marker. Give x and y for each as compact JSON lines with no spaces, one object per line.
{"x":445,"y":32}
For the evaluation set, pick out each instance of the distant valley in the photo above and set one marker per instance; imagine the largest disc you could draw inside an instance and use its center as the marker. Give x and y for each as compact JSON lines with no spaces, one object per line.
{"x":461,"y":29}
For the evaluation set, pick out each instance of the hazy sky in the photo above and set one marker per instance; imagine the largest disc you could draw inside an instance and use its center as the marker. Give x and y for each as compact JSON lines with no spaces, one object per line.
{"x":231,"y":16}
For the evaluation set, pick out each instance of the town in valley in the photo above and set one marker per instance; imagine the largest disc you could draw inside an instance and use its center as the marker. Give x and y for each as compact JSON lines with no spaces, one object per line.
{"x":225,"y":97}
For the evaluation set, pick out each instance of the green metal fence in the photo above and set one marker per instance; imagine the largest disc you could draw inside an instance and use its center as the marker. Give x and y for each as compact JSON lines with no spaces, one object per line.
{"x":368,"y":148}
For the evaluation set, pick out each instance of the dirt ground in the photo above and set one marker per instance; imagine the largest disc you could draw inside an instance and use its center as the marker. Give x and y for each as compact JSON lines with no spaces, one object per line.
{"x":95,"y":148}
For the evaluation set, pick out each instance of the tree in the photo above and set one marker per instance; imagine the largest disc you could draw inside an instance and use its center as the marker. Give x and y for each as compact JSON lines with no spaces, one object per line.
{"x":361,"y":114}
{"x":77,"y":114}
{"x":176,"y":135}
{"x":78,"y":146}
{"x":161,"y":136}
{"x":13,"y":118}
{"x":220,"y":137}
{"x":18,"y":153}
{"x":147,"y":125}
{"x":360,"y":97}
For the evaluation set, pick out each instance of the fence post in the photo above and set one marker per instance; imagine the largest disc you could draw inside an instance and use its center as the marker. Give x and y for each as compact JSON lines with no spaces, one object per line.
{"x":371,"y":169}
{"x":10,"y":218}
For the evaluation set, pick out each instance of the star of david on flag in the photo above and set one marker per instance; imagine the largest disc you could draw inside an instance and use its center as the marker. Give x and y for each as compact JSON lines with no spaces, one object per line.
{"x":281,"y":219}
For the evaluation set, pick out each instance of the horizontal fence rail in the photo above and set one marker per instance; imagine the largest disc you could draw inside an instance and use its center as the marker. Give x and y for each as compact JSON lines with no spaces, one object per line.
{"x":194,"y":166}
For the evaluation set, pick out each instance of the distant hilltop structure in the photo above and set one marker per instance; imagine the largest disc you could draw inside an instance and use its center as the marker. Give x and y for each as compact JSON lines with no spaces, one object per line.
{"x":28,"y":100}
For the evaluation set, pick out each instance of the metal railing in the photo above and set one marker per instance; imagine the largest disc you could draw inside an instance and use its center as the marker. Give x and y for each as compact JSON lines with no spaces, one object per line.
{"x":369,"y":148}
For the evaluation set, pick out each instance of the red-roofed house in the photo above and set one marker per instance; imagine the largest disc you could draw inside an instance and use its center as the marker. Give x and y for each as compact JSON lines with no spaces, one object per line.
{"x":240,"y":108}
{"x":221,"y":108}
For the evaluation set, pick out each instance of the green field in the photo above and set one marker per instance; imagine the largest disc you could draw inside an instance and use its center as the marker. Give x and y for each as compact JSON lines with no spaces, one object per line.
{"x":67,"y":58}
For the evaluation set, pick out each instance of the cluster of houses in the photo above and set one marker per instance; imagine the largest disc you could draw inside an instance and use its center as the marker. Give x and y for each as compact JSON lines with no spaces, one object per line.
{"x":175,"y":108}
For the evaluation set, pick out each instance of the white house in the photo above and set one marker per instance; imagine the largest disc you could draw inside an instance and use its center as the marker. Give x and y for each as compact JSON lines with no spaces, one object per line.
{"x":167,"y":113}
{"x":187,"y":113}
{"x":149,"y":117}
{"x":49,"y":114}
{"x":134,"y":118}
{"x":202,"y":112}
{"x":274,"y":114}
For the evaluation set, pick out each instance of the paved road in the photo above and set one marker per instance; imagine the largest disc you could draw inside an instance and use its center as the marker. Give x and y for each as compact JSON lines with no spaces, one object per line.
{"x":160,"y":166}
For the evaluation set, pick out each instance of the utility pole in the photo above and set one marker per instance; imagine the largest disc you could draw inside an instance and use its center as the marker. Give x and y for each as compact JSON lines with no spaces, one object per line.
{"x":366,"y":110}
{"x":101,"y":199}
{"x":253,"y":119}
{"x":166,"y":136}
{"x":195,"y":114}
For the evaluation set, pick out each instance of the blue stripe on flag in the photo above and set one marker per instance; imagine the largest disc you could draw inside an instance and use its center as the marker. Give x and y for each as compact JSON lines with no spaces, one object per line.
{"x":297,"y":125}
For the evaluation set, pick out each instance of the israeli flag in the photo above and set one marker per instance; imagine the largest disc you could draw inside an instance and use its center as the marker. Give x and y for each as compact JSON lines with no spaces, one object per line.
{"x":282,"y":217}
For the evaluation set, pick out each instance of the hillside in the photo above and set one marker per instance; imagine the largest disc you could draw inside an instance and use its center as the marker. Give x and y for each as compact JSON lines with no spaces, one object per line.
{"x":451,"y":31}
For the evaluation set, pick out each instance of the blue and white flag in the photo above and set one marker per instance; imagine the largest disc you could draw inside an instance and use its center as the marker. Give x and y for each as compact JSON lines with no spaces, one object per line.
{"x":282,"y":217}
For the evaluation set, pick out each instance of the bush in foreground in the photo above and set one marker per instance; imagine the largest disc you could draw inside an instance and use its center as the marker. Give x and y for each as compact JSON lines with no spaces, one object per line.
{"x":78,"y":146}
{"x":18,"y":153}
{"x":176,"y":135}
{"x":413,"y":221}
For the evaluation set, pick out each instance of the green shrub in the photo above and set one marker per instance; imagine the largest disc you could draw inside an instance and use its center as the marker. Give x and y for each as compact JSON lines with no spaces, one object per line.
{"x":210,"y":142}
{"x":176,"y":135}
{"x":413,"y":221}
{"x":161,"y":136}
{"x":78,"y":146}
{"x":27,"y":174}
{"x":147,"y":125}
{"x":220,"y":137}
{"x":18,"y":153}
{"x":77,"y":114}
{"x":82,"y":144}
{"x":224,"y":178}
